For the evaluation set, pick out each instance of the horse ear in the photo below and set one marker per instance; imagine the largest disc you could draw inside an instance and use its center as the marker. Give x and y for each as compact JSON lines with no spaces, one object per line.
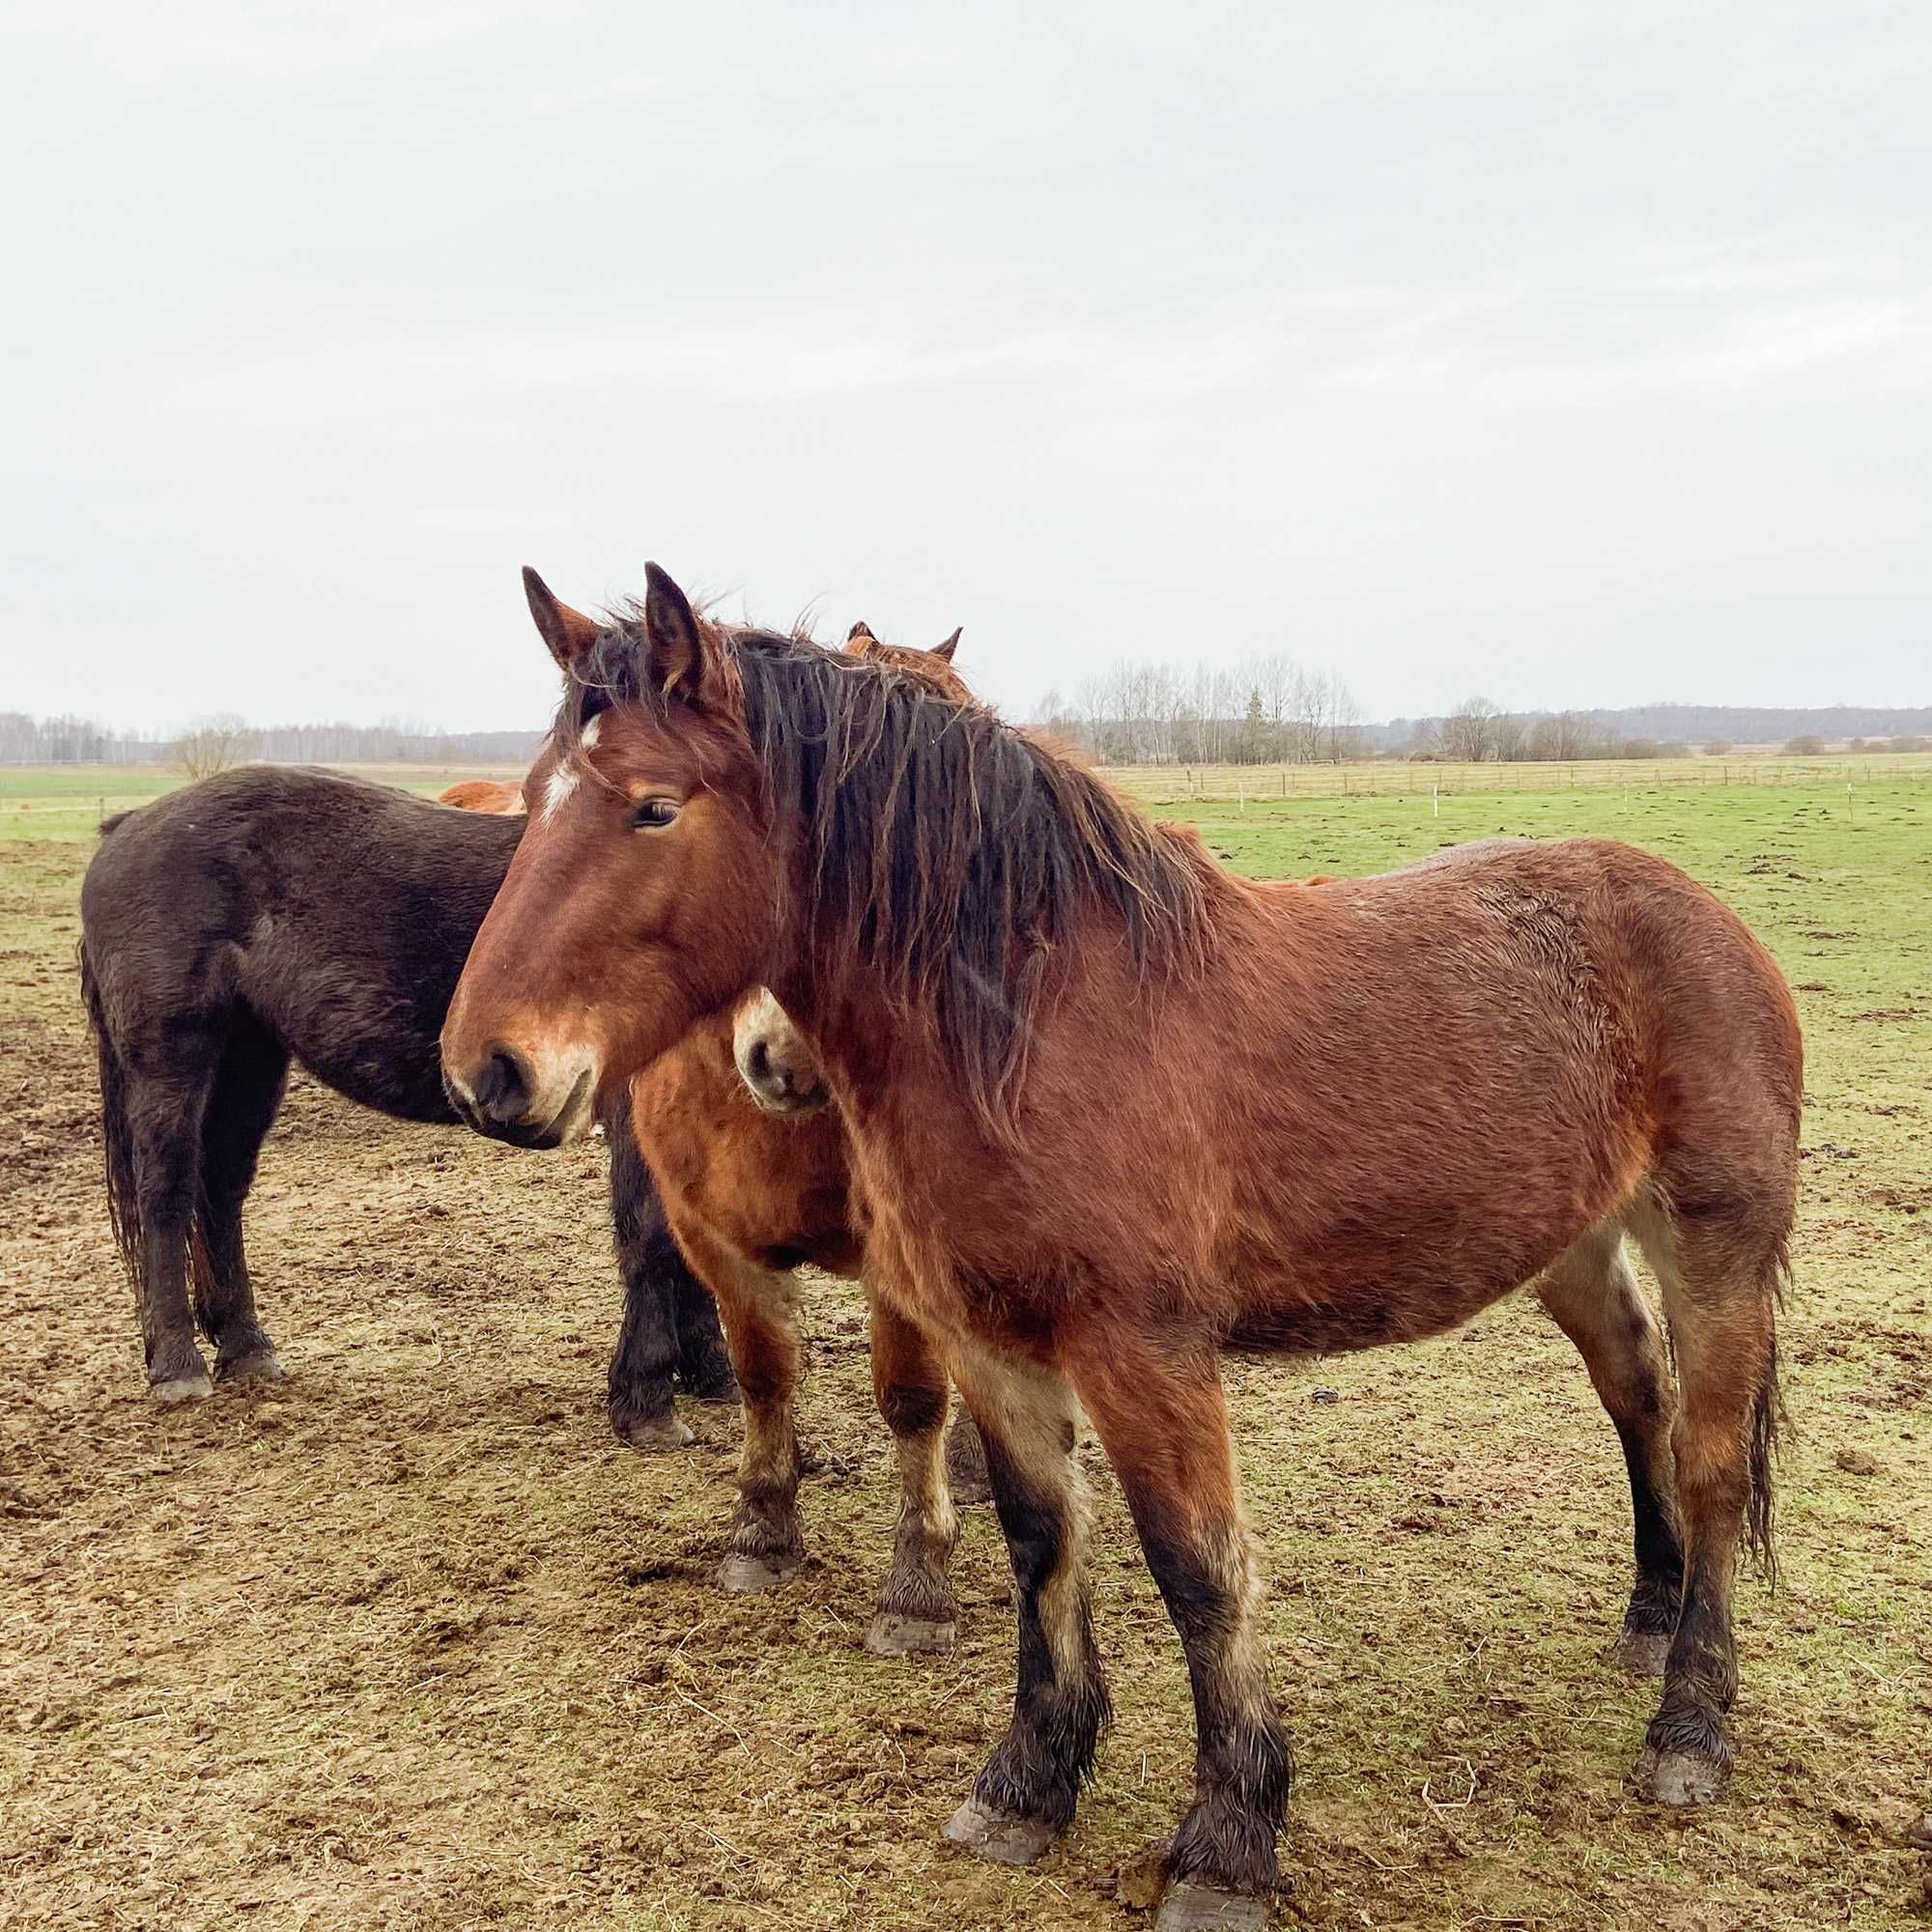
{"x":951,"y":645}
{"x":860,"y":634}
{"x":568,"y":632}
{"x":671,"y":635}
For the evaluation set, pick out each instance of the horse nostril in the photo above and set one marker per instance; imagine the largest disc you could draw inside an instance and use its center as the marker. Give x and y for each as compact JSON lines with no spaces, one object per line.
{"x":758,"y":1069}
{"x":503,"y":1088}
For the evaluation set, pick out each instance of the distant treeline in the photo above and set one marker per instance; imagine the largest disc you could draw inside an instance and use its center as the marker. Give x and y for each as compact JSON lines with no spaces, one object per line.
{"x":1266,"y":711}
{"x":1480,"y":730}
{"x":69,"y":741}
{"x":1270,"y":710}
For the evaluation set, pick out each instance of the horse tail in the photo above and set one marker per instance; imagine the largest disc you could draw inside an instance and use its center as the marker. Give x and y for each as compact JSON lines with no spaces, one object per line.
{"x":1767,"y":1418}
{"x":123,"y":1198}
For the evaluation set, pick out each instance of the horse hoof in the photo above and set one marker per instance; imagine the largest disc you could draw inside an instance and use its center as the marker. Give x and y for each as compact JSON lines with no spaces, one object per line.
{"x":192,"y":1386}
{"x":1678,"y":1779}
{"x":1642,"y":1652}
{"x":1004,"y":1836}
{"x":653,"y":1435}
{"x":895,"y":1635}
{"x":259,"y":1365}
{"x":1193,"y":1907}
{"x":746,"y":1575}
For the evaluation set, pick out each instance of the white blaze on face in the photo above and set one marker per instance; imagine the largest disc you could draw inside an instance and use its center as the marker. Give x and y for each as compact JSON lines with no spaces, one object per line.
{"x":560,"y":784}
{"x":562,"y":781}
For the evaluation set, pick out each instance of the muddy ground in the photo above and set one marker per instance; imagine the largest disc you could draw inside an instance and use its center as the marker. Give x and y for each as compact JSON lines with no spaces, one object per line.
{"x":411,"y":1641}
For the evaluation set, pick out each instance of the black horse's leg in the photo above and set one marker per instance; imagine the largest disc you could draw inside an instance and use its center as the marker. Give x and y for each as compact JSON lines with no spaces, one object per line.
{"x":164,"y":1108}
{"x":643,"y":1409}
{"x":247,"y":1092}
{"x":703,"y":1362}
{"x":966,"y":1476}
{"x":1595,"y":1299}
{"x":1025,"y":1794}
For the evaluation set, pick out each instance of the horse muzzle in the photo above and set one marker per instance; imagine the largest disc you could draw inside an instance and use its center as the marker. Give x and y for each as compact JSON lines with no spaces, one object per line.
{"x":529,"y":1102}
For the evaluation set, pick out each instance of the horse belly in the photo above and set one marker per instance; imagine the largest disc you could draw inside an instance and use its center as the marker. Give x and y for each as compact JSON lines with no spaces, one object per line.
{"x":1365,"y":1317}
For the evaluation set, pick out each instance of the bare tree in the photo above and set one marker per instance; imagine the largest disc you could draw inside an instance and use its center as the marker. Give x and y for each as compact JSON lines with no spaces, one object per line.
{"x":213,"y":744}
{"x":1470,"y":731}
{"x":1345,"y":723}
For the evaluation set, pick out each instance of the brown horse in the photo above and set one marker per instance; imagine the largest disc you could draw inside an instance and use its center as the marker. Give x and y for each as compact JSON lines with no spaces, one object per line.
{"x":498,"y":798}
{"x":1113,"y":1110}
{"x":749,"y":1195}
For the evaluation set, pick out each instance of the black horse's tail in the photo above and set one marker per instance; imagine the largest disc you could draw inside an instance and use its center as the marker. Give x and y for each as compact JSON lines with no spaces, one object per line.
{"x":123,"y":1199}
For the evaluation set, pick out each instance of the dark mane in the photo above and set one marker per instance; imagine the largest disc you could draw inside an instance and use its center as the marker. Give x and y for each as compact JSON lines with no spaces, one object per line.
{"x":932,"y":842}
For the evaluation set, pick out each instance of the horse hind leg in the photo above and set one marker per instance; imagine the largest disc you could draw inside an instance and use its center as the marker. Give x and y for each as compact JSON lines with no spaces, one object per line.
{"x":917,"y":1608}
{"x":247,"y":1092}
{"x":161,"y":1116}
{"x":1592,"y":1293}
{"x":1721,"y":1264}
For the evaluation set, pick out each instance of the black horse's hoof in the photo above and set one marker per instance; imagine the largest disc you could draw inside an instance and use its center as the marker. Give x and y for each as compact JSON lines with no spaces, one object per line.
{"x":653,"y":1435}
{"x":895,"y":1635}
{"x":183,"y":1386}
{"x":1642,"y":1652}
{"x":1678,"y":1779}
{"x":1191,"y":1906}
{"x":260,"y":1364}
{"x":747,"y":1576}
{"x":1004,"y":1836}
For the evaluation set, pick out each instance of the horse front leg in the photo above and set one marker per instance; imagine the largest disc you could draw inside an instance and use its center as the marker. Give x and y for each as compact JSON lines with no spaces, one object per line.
{"x":917,"y":1609}
{"x":642,"y":1402}
{"x":764,"y":1547}
{"x":1164,"y":1424}
{"x":1025,"y":1794}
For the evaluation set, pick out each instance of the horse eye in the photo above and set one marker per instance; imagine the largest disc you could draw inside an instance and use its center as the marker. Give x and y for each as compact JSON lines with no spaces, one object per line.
{"x":652,"y":813}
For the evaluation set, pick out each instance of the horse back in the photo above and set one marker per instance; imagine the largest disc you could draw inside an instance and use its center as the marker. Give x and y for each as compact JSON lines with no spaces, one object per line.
{"x":337,"y":912}
{"x":1386,"y":1102}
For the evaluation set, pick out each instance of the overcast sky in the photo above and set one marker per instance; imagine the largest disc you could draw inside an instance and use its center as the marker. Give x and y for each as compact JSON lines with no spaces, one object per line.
{"x":1576,"y":354}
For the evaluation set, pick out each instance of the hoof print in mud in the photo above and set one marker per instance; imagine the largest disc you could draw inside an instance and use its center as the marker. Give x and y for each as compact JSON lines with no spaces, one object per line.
{"x":1003,"y":1836}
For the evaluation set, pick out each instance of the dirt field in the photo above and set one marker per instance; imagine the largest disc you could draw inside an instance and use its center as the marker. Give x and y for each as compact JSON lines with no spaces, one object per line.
{"x":411,"y":1642}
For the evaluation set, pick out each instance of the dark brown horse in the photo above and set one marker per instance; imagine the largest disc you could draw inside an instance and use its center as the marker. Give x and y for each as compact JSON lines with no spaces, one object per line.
{"x":1113,"y":1110}
{"x":275,"y":914}
{"x":748,"y":1196}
